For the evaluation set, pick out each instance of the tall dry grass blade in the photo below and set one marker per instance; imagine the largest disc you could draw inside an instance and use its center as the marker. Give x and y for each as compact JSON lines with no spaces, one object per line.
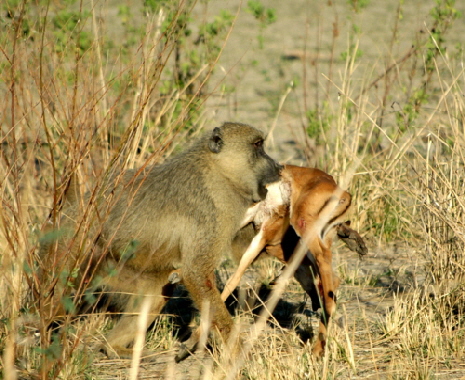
{"x":139,"y":340}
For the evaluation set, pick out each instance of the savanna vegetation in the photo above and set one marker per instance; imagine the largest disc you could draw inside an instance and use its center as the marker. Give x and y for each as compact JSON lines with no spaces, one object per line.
{"x":91,"y":88}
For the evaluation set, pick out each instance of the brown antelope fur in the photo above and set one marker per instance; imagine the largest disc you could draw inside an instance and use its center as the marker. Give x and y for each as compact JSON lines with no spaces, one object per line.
{"x":315,"y":209}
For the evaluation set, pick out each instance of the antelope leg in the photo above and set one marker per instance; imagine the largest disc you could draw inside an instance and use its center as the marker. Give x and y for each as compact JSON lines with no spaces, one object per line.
{"x":255,"y":247}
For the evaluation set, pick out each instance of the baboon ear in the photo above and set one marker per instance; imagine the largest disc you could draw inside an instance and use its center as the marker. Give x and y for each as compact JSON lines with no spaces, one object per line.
{"x":216,"y":142}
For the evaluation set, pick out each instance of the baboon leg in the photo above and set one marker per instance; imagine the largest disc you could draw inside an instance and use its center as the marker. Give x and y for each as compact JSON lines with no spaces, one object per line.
{"x":189,"y":346}
{"x":124,"y":332}
{"x":256,"y":246}
{"x":122,"y":335}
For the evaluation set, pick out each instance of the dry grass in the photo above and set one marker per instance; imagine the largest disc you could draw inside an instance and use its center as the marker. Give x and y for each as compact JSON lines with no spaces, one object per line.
{"x":82,"y":98}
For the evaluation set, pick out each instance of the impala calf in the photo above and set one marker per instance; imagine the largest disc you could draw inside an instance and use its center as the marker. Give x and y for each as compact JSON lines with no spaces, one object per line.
{"x":315,"y":207}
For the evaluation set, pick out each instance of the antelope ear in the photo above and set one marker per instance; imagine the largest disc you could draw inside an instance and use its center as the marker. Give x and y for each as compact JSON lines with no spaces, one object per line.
{"x":216,"y":141}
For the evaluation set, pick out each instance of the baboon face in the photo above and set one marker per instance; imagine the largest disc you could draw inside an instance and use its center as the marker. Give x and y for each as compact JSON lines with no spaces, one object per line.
{"x":238,"y":150}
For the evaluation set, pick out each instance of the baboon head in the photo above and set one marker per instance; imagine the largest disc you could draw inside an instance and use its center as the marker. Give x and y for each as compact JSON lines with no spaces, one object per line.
{"x":239,"y":152}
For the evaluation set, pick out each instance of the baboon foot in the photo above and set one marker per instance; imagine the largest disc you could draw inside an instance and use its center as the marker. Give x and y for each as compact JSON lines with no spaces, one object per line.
{"x":186,"y":349}
{"x":232,"y":348}
{"x":118,"y":352}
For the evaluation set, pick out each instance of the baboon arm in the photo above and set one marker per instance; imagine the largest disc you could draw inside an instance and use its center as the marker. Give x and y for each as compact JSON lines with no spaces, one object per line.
{"x":255,"y":247}
{"x":206,"y":296}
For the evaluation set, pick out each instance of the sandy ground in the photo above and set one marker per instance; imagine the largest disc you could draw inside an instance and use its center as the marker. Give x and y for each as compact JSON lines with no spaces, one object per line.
{"x":387,"y":272}
{"x":296,"y":54}
{"x":296,"y":50}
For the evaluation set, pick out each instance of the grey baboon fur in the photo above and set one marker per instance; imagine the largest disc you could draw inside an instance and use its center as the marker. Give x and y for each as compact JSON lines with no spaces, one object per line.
{"x":183,"y":213}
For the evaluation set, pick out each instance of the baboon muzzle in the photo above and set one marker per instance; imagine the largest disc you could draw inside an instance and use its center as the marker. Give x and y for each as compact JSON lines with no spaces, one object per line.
{"x":272,"y":174}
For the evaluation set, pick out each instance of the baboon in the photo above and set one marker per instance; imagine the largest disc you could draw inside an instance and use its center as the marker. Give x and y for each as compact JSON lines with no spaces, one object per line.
{"x":182,"y":213}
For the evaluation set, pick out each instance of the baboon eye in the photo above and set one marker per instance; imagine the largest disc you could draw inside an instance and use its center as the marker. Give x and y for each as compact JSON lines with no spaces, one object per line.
{"x":258,"y":144}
